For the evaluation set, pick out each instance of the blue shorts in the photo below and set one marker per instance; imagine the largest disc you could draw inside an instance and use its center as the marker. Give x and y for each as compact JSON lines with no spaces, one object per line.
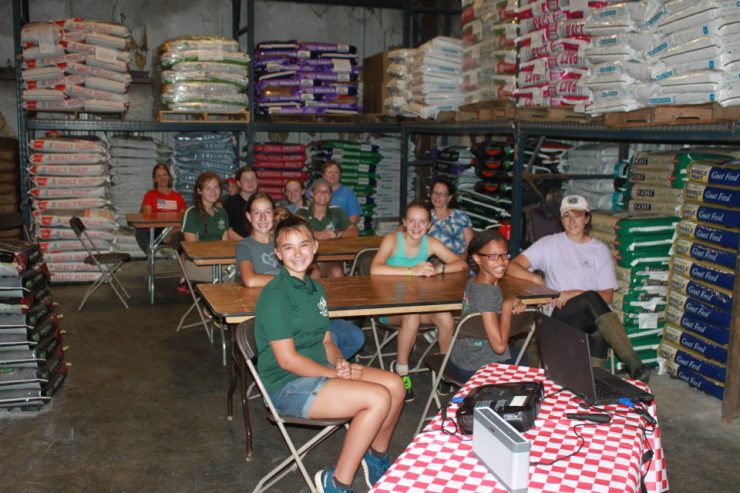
{"x":296,"y":398}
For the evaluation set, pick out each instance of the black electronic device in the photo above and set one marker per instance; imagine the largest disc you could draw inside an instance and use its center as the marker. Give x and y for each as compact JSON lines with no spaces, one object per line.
{"x":517,"y":403}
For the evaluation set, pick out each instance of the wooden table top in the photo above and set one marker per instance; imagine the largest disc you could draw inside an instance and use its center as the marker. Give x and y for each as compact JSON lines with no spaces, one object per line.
{"x":224,"y":252}
{"x":154,"y":219}
{"x":372,"y":295}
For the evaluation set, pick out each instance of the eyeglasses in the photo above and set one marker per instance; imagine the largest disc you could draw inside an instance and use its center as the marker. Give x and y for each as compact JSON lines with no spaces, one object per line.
{"x":574,"y":215}
{"x":495,"y":256}
{"x":441,"y":194}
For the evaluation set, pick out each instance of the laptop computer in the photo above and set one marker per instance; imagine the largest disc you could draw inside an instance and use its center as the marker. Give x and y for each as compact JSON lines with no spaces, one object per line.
{"x":566,"y":359}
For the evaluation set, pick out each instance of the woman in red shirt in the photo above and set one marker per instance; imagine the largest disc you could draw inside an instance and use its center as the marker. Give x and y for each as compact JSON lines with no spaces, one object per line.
{"x":161,"y":198}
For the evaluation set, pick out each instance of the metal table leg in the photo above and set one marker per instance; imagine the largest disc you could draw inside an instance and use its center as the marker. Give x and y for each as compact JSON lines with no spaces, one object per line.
{"x":154,"y":243}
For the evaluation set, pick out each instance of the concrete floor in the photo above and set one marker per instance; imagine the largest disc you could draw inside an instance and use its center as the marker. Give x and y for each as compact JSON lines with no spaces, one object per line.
{"x":144,"y":410}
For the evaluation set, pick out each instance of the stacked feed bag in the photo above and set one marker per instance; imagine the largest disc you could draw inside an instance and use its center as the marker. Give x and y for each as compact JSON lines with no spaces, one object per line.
{"x":436,"y":77}
{"x":203,"y":73}
{"x":306,"y":78}
{"x":400,"y":81}
{"x":657,"y":178}
{"x":276,"y":163}
{"x":699,"y":313}
{"x":551,"y":43}
{"x":131,"y":164}
{"x":694,"y":59}
{"x":484,"y":190}
{"x":489,"y":55}
{"x":197,"y":152}
{"x":619,"y":76}
{"x":359,"y":162}
{"x":592,"y":159}
{"x":66,"y":257}
{"x":9,"y":193}
{"x":388,"y":192}
{"x":32,"y":365}
{"x":640,"y":243}
{"x":68,"y":175}
{"x":75,"y":65}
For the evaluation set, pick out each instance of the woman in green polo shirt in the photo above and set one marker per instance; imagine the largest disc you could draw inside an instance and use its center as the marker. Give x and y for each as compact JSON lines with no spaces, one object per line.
{"x":306,"y":375}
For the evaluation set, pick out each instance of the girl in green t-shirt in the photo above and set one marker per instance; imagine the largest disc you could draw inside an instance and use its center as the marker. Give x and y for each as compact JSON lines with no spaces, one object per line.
{"x":295,"y":346}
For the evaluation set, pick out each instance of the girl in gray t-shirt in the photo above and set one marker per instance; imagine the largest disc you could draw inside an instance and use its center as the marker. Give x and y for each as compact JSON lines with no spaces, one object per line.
{"x":488,"y":256}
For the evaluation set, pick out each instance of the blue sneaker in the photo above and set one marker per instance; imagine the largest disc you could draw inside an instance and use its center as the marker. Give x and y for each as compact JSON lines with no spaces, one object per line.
{"x":324,"y":481}
{"x":374,"y":467}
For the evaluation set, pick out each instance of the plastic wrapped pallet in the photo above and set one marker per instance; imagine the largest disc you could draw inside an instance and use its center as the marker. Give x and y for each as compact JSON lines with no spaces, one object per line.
{"x":306,"y":78}
{"x":203,"y":74}
{"x":437,"y":78}
{"x":400,"y":81}
{"x":276,"y":163}
{"x":694,"y":346}
{"x":551,"y":43}
{"x":69,"y":176}
{"x":640,"y":243}
{"x":131,"y":164}
{"x":619,"y":77}
{"x":388,"y":191}
{"x":32,"y":365}
{"x":489,"y":55}
{"x":593,"y":159}
{"x":75,"y":65}
{"x":359,"y":162}
{"x":197,"y":152}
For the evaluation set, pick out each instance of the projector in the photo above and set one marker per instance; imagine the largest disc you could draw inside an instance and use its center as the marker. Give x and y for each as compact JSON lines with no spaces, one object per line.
{"x":517,"y":403}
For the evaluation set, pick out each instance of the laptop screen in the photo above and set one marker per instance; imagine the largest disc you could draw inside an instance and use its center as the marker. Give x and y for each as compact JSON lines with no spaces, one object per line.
{"x":566,"y":357}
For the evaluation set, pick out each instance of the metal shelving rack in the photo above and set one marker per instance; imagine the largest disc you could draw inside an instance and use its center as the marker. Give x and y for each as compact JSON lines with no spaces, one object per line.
{"x":716,"y":133}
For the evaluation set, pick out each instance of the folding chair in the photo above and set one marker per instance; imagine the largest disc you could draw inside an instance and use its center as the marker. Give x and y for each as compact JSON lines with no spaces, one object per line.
{"x":177,"y":239}
{"x":245,"y":341}
{"x":362,"y":261}
{"x":107,"y":263}
{"x":471,"y":326}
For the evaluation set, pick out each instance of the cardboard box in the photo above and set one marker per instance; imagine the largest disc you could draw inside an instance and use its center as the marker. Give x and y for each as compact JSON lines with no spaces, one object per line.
{"x":374,"y":77}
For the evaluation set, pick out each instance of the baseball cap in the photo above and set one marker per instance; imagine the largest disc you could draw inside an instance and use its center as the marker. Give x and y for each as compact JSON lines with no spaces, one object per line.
{"x":320,"y":181}
{"x":571,"y":202}
{"x":231,"y":180}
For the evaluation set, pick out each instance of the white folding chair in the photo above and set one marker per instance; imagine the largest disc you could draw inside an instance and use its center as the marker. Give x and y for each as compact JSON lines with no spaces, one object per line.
{"x":471,"y":326}
{"x":107,"y":264}
{"x":245,"y":341}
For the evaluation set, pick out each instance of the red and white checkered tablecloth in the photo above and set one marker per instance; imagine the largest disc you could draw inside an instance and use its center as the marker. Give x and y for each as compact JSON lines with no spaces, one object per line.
{"x":609,"y":462}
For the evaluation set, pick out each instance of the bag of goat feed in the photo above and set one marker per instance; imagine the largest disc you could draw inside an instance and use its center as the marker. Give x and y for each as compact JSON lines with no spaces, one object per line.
{"x":715,"y":333}
{"x":695,"y":343}
{"x":719,"y":298}
{"x":706,"y":253}
{"x":695,"y":379}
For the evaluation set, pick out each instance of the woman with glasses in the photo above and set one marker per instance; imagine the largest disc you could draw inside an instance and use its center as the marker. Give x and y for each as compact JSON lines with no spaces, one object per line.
{"x":450,"y":226}
{"x":581,"y":268}
{"x":488,"y":257}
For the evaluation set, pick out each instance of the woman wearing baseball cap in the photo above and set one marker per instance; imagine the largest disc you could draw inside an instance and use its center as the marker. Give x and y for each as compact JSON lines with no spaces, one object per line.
{"x":581,"y":268}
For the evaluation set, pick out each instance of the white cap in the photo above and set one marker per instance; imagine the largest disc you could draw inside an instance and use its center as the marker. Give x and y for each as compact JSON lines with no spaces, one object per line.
{"x":573,"y":202}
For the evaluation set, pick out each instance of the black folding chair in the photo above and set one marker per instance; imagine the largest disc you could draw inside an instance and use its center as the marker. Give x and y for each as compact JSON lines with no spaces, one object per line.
{"x":107,"y":263}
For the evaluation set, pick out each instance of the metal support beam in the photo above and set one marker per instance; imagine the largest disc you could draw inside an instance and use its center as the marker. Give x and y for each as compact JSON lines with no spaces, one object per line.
{"x":20,"y":17}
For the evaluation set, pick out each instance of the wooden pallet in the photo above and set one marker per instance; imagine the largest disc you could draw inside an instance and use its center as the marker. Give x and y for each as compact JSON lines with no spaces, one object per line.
{"x":491,"y":110}
{"x":554,"y":114}
{"x":72,"y":115}
{"x":201,"y":116}
{"x":684,"y":114}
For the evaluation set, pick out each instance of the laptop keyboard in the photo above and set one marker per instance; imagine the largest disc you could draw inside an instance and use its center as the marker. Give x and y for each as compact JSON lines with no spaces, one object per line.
{"x":604,"y":391}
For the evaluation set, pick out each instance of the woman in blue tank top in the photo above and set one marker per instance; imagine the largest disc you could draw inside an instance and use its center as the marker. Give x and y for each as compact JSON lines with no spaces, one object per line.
{"x":407,"y":253}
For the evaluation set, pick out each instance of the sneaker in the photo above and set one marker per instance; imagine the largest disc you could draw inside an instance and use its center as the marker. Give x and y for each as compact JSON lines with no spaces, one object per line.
{"x":374,"y":467}
{"x":182,"y":288}
{"x":445,"y":388}
{"x":407,"y":385}
{"x":324,"y":481}
{"x":641,"y":373}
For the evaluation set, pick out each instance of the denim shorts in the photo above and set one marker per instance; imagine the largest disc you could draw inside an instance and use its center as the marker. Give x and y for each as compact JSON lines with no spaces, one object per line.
{"x":296,"y":398}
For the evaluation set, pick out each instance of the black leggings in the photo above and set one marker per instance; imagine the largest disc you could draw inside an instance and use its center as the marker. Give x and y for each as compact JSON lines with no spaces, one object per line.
{"x":581,"y":312}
